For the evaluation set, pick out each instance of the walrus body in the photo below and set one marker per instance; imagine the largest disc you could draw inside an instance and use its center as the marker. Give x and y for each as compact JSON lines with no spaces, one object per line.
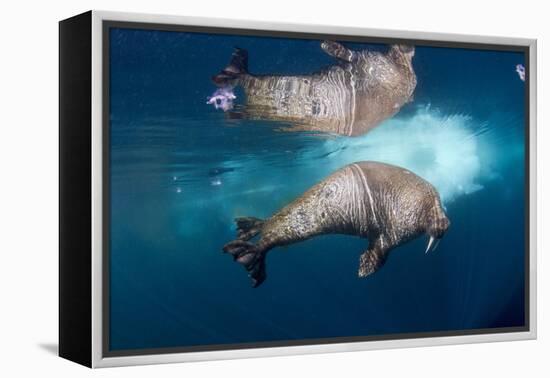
{"x":386,"y":204}
{"x":349,"y":98}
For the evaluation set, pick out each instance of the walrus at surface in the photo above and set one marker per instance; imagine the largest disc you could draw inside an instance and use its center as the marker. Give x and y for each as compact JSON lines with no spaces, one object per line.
{"x":386,"y":204}
{"x":349,"y":98}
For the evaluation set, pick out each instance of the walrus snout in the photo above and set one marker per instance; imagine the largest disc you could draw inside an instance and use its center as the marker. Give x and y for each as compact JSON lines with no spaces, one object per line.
{"x":436,"y":234}
{"x":405,"y":52}
{"x":407,"y":49}
{"x":437,"y":229}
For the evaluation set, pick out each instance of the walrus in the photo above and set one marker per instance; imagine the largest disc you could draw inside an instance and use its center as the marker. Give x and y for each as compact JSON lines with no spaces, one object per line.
{"x":385,"y":204}
{"x":349,"y":98}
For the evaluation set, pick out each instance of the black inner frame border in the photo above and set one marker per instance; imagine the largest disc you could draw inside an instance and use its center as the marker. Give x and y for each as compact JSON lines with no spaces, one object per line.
{"x":107,"y":25}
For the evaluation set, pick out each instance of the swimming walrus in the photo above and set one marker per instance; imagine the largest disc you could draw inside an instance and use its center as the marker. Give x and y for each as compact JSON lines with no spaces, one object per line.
{"x":349,"y":98}
{"x":386,"y":204}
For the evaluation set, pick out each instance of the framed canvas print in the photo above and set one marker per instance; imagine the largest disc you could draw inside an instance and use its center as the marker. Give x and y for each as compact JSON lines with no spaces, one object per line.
{"x":234,"y":189}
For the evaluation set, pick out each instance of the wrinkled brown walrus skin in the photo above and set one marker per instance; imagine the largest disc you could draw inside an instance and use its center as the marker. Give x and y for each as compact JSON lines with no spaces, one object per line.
{"x":386,"y":204}
{"x":349,"y":98}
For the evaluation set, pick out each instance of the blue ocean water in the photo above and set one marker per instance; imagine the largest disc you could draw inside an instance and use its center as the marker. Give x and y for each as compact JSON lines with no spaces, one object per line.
{"x":181,"y":171}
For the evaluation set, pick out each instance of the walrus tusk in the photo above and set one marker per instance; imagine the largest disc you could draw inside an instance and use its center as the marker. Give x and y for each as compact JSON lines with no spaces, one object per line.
{"x":433,"y":242}
{"x":436,"y":245}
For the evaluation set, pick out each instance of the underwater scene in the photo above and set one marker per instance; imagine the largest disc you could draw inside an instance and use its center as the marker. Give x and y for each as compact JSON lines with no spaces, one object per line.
{"x":279,"y":190}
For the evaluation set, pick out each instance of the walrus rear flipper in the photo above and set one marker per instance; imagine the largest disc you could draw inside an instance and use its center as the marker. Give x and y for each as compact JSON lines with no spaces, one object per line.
{"x":248,"y":227}
{"x":371,"y":260}
{"x":237,"y":66}
{"x":251,"y":257}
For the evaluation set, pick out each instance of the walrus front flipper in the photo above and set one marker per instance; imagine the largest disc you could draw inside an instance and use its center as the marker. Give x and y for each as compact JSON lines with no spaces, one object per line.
{"x":338,"y":51}
{"x":248,"y":227}
{"x":237,"y":66}
{"x":371,"y":260}
{"x":251,"y":257}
